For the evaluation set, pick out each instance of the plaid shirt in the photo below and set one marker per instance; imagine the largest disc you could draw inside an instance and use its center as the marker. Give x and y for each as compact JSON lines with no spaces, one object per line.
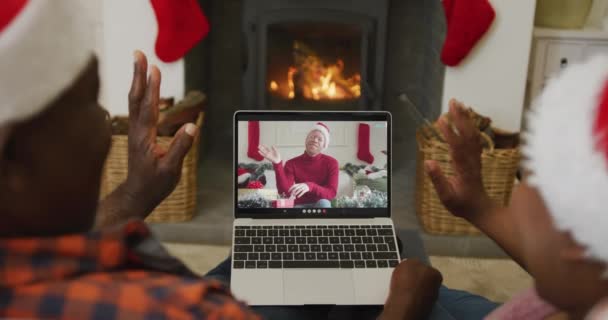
{"x":122,"y":273}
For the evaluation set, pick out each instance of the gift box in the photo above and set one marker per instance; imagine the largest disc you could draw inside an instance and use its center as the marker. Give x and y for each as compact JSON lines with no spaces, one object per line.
{"x":283,"y":203}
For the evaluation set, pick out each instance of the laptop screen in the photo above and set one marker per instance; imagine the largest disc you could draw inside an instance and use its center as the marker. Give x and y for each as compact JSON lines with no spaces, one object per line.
{"x":312,"y":164}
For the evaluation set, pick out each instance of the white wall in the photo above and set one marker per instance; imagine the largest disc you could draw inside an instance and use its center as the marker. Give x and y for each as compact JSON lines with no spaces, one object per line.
{"x":289,"y":137}
{"x":123,"y":27}
{"x":492,"y":78}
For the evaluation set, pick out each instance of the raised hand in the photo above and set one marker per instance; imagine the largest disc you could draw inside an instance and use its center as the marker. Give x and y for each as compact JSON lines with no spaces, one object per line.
{"x":272,"y":154}
{"x":299,"y":189}
{"x":153,"y":172}
{"x":462,"y":194}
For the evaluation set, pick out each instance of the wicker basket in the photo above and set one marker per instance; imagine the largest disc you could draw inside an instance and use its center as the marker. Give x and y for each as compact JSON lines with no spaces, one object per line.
{"x":180,"y":205}
{"x":499,"y":167}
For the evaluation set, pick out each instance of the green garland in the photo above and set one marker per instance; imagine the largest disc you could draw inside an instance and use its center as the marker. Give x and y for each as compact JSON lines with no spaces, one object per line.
{"x":377,"y":199}
{"x":253,"y":200}
{"x":256,"y":169}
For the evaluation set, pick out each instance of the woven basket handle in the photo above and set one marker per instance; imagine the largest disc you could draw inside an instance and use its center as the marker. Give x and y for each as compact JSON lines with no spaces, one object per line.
{"x":489,"y":140}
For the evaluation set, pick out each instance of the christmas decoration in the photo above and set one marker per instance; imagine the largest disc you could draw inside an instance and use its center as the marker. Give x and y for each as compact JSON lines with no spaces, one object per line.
{"x":242,"y":177}
{"x":256,"y":170}
{"x":467,"y":21}
{"x":283,"y":203}
{"x":255,"y":185}
{"x":44,"y":47}
{"x":181,"y":24}
{"x":253,"y":140}
{"x":253,"y":200}
{"x":363,"y":152}
{"x":356,"y":169}
{"x":362,"y":192}
{"x":376,"y":199}
{"x":575,"y":195}
{"x":377,"y":175}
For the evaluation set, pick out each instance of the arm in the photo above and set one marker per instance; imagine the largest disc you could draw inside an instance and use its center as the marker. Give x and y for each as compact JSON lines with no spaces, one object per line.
{"x":153,"y":172}
{"x":498,"y":224}
{"x":463,"y":194}
{"x":413,"y":291}
{"x":285,"y":177}
{"x":330,"y":189}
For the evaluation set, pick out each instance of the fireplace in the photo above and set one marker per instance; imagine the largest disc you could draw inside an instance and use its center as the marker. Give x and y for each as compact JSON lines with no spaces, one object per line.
{"x":314,"y":55}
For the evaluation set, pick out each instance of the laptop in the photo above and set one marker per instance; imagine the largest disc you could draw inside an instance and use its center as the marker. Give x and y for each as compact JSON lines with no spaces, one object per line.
{"x":315,"y":228}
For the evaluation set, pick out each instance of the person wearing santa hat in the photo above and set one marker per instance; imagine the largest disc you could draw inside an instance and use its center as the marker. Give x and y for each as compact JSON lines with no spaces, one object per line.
{"x":54,"y":138}
{"x":311,"y":178}
{"x":555,"y":224}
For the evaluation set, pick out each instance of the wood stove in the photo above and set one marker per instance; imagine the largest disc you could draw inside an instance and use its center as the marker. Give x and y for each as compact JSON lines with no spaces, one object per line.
{"x":314,"y":55}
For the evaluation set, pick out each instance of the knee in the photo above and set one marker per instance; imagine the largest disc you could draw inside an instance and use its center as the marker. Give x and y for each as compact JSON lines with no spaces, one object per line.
{"x":323,"y":203}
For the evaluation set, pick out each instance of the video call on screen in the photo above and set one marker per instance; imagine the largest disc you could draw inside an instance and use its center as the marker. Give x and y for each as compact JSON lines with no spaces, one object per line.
{"x":321,"y":164}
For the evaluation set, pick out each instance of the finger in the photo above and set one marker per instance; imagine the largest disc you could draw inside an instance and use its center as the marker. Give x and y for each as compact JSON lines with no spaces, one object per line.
{"x":296,"y":189}
{"x":461,"y":119}
{"x":179,"y":147}
{"x":447,"y":132}
{"x":442,"y":185}
{"x":148,"y":114}
{"x":138,"y":83}
{"x":275,"y":150}
{"x":299,"y":191}
{"x":263,"y":150}
{"x":292,"y":187}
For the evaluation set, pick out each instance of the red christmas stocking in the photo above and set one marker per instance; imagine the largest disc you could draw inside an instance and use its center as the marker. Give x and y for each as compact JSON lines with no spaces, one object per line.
{"x":181,"y":24}
{"x":468,"y":21}
{"x":253,"y":128}
{"x":363,"y":152}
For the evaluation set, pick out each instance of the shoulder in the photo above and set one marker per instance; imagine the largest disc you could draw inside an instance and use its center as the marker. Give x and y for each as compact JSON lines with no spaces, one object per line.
{"x":331,"y":161}
{"x":294,"y":160}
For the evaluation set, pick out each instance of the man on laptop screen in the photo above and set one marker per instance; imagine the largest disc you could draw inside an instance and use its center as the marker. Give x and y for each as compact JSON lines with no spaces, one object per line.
{"x":303,"y":170}
{"x":310,"y":178}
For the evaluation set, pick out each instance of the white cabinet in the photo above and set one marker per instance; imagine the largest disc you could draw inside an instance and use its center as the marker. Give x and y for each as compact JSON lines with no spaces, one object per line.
{"x":553,"y":50}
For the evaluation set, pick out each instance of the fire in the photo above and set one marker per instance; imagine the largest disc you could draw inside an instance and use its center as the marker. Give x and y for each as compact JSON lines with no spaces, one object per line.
{"x":312,"y":78}
{"x":274,"y":86}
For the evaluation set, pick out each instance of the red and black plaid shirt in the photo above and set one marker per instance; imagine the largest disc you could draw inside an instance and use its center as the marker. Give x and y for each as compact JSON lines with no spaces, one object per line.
{"x":106,"y":275}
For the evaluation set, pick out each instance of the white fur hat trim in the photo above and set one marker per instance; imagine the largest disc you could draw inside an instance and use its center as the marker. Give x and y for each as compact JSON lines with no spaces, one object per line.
{"x":567,"y":168}
{"x":42,"y":51}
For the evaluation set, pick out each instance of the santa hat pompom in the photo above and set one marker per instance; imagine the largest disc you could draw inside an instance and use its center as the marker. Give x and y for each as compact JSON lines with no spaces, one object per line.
{"x":567,"y":151}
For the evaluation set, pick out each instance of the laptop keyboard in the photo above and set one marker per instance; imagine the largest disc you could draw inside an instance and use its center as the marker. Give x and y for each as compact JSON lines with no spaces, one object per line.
{"x":322,"y":246}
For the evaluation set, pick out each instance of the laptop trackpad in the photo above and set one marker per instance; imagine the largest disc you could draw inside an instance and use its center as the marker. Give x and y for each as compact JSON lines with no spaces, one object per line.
{"x":318,"y":286}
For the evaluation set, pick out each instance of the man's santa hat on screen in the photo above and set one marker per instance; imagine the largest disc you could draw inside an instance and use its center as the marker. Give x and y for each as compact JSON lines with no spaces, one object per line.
{"x":44,"y":46}
{"x":567,"y":152}
{"x":321,"y":127}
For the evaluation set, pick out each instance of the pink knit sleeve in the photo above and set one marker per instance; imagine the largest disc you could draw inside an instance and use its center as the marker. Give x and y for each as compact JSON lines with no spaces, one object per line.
{"x":526,"y":305}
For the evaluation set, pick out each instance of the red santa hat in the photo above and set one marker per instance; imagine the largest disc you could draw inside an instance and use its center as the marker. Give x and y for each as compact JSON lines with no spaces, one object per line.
{"x":44,"y":46}
{"x":321,"y":127}
{"x":567,"y":152}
